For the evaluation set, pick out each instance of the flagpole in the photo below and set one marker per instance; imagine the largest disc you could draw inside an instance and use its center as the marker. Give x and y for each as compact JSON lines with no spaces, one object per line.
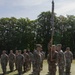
{"x":52,"y":24}
{"x":52,"y":21}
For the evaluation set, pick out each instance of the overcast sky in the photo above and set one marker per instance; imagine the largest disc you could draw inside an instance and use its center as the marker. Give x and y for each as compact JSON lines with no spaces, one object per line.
{"x":32,"y":8}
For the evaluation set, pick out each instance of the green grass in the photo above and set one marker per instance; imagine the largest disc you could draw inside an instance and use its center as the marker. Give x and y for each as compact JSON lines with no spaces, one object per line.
{"x":44,"y":72}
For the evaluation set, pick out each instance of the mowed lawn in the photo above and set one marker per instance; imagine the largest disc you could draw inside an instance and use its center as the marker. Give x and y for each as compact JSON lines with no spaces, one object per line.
{"x":44,"y":72}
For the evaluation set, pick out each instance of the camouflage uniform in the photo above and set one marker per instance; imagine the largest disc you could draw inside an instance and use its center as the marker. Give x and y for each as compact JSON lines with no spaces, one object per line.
{"x":20,"y":61}
{"x":43,"y":56}
{"x":16,"y":54}
{"x":26,"y":59}
{"x":61,"y":62}
{"x":37,"y":61}
{"x":4,"y":61}
{"x":52,"y":62}
{"x":68,"y":57}
{"x":11,"y":61}
{"x":30,"y":58}
{"x":61,"y":59}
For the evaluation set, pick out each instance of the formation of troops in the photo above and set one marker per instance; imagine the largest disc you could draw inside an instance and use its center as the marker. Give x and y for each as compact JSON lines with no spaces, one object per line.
{"x":61,"y":59}
{"x":24,"y":60}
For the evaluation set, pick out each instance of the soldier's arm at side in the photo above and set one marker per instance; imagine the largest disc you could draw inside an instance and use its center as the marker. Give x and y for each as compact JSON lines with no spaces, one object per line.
{"x":23,"y":59}
{"x":34,"y":57}
{"x":71,"y":57}
{"x":7,"y":58}
{"x":65,"y":59}
{"x":14,"y":57}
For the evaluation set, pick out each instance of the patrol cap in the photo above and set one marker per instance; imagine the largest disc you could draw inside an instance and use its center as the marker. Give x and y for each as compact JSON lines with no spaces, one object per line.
{"x":24,"y":50}
{"x":68,"y":48}
{"x":4,"y":51}
{"x":53,"y":45}
{"x":59,"y":45}
{"x":38,"y":45}
{"x":19,"y":51}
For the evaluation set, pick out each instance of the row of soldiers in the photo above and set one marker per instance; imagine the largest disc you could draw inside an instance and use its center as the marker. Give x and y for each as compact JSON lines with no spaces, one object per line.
{"x":22,"y":60}
{"x":57,"y":57}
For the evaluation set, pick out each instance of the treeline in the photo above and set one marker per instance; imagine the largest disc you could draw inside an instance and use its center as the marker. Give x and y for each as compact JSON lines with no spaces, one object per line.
{"x":25,"y":33}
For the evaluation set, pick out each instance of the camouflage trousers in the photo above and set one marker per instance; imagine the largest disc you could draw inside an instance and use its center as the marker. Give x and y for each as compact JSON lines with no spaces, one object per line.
{"x":3,"y":65}
{"x":11,"y":65}
{"x":52,"y":69}
{"x":36,"y":70}
{"x":19,"y":68}
{"x":25,"y":66}
{"x":61,"y":69}
{"x":16,"y":65}
{"x":68,"y":67}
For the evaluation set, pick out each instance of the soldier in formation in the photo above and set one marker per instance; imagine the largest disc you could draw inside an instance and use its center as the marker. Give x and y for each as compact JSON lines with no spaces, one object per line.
{"x":61,"y":59}
{"x":4,"y":61}
{"x":33,"y":63}
{"x":19,"y":61}
{"x":56,"y":57}
{"x":69,"y":58}
{"x":30,"y":58}
{"x":16,"y":54}
{"x":37,"y":59}
{"x":26,"y":58}
{"x":11,"y":60}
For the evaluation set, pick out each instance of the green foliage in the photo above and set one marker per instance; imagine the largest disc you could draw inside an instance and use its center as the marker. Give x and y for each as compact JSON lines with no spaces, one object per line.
{"x":16,"y":33}
{"x":24,"y":33}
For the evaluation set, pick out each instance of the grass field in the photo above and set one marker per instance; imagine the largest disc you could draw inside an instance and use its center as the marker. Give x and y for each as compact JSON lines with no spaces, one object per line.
{"x":44,"y":72}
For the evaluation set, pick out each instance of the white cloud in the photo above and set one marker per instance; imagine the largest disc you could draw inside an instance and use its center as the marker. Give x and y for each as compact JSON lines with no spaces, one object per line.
{"x":22,"y":2}
{"x":29,"y":2}
{"x":2,"y":2}
{"x":32,"y":8}
{"x":65,"y":7}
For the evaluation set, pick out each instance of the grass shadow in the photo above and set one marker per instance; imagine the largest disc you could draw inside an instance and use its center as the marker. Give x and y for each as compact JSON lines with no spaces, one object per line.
{"x":67,"y":73}
{"x":15,"y":74}
{"x":8,"y":72}
{"x":30,"y":74}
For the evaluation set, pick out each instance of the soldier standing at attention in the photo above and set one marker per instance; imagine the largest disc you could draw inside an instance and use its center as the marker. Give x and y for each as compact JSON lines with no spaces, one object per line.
{"x":20,"y":61}
{"x":33,"y":63}
{"x":26,"y":58}
{"x":69,"y":58}
{"x":30,"y":58}
{"x":16,"y":54}
{"x":11,"y":60}
{"x":52,"y":60}
{"x":37,"y":59}
{"x":4,"y":61}
{"x":61,"y":59}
